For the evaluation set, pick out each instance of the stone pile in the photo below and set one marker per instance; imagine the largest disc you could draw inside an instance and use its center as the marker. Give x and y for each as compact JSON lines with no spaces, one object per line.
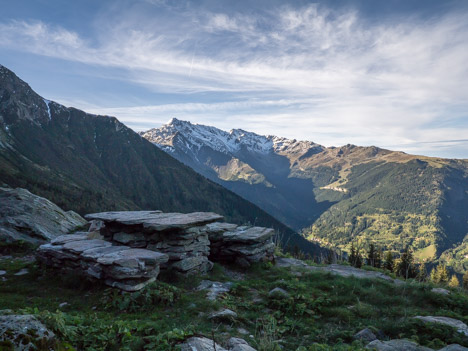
{"x":180,"y":236}
{"x":122,"y":267}
{"x":240,"y":244}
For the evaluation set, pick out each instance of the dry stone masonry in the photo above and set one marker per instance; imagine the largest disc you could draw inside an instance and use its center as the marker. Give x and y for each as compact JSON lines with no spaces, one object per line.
{"x":128,"y":249}
{"x":118,"y":266}
{"x":188,"y":239}
{"x":240,"y":244}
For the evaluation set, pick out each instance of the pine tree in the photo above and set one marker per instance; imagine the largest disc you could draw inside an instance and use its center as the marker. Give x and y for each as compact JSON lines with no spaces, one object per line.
{"x":405,"y":267}
{"x":422,"y":273}
{"x":435,"y":276}
{"x":454,"y":282}
{"x":352,"y":255}
{"x":442,"y":273}
{"x":465,"y":281}
{"x":389,"y":263}
{"x":359,"y":260}
{"x":371,"y":255}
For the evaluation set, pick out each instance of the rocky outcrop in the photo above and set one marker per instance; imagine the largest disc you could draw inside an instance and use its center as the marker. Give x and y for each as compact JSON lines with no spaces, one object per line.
{"x":122,"y":267}
{"x":341,"y":270}
{"x":188,"y":239}
{"x":24,"y":333}
{"x":451,"y":322}
{"x":241,"y":244}
{"x":180,"y":236}
{"x":31,"y":219}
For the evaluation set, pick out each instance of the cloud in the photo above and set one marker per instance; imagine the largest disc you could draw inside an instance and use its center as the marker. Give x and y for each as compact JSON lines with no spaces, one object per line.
{"x":345,"y":79}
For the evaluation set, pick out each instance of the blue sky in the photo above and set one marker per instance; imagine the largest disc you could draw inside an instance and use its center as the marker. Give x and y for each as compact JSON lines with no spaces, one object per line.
{"x":387,"y":73}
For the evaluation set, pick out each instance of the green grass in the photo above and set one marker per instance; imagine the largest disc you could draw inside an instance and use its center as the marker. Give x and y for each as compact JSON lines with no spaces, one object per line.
{"x":323,"y":311}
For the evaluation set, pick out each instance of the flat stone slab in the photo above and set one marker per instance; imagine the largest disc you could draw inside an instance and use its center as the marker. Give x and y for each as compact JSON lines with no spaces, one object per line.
{"x":156,"y":220}
{"x":63,"y":239}
{"x":84,"y":245}
{"x":344,"y":271}
{"x":249,"y":235}
{"x":455,"y":323}
{"x":123,"y":257}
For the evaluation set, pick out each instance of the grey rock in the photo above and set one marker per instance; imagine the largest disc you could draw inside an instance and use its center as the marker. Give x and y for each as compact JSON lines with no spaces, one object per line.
{"x":2,"y":273}
{"x":365,"y":335}
{"x":33,"y":219}
{"x":156,"y":220}
{"x":22,"y":271}
{"x":223,"y":315}
{"x":200,"y":344}
{"x":396,"y":345}
{"x":84,"y":245}
{"x":189,"y":263}
{"x":249,"y":235}
{"x":455,"y":323}
{"x":278,"y":293}
{"x":341,"y":270}
{"x":214,"y":289}
{"x":13,"y":327}
{"x":454,"y":347}
{"x":440,"y":291}
{"x":122,"y":267}
{"x":238,"y":344}
{"x":95,"y":226}
{"x":133,"y":240}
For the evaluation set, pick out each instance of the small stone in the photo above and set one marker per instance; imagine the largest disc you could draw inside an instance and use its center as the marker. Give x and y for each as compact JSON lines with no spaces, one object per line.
{"x":278,"y":293}
{"x":223,"y":315}
{"x":238,"y":344}
{"x":242,"y":331}
{"x":214,"y":288}
{"x":63,"y":304}
{"x":23,"y":271}
{"x":2,"y":273}
{"x":365,"y":335}
{"x":440,"y":291}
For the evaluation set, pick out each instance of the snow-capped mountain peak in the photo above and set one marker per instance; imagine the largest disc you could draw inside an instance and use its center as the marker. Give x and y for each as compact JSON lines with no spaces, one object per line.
{"x":198,"y":135}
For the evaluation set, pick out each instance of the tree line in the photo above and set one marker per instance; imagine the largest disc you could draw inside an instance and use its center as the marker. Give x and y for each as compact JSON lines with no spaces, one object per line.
{"x":404,"y":266}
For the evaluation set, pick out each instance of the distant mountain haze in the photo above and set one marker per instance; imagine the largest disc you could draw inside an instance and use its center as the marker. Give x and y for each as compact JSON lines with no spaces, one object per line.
{"x":91,"y":163}
{"x":336,"y":195}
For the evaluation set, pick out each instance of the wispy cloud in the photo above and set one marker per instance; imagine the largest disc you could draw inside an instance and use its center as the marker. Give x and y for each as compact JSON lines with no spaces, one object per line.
{"x":310,"y":72}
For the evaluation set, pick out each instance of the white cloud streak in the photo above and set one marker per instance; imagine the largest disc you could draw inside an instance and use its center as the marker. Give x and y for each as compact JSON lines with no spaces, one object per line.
{"x":309,"y":73}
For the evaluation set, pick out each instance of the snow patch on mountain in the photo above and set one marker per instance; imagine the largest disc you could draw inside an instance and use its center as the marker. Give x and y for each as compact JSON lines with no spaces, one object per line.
{"x":47,"y":102}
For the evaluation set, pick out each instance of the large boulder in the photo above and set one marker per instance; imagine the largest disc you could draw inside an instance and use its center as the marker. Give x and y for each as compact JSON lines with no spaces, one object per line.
{"x":451,"y":322}
{"x":24,"y":333}
{"x":200,"y":344}
{"x":31,"y":219}
{"x":396,"y":345}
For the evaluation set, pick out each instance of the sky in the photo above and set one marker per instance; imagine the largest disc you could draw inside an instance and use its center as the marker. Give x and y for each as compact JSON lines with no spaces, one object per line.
{"x":390,"y":73}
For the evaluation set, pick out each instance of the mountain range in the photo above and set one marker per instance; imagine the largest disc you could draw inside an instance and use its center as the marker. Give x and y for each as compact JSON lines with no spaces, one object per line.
{"x":336,"y":195}
{"x":89,"y":163}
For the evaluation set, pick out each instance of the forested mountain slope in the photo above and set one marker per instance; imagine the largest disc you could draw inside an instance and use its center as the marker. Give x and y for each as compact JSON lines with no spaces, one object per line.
{"x":337,"y":195}
{"x":91,"y":163}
